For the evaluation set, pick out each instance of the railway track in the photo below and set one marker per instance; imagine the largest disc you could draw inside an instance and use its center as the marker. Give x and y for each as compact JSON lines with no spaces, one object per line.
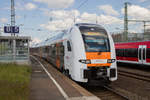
{"x":133,"y":82}
{"x":134,"y":74}
{"x":106,"y":93}
{"x":119,"y":93}
{"x":114,"y":93}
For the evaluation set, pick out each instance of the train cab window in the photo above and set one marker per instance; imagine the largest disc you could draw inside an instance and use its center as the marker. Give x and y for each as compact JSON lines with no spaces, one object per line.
{"x":95,"y":39}
{"x":68,"y":46}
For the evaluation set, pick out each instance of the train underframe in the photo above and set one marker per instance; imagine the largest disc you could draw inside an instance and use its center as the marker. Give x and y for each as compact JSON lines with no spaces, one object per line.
{"x":99,"y":75}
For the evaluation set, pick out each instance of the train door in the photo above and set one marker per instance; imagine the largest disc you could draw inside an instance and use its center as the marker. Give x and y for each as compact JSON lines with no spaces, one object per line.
{"x":61,"y":55}
{"x":68,"y":56}
{"x":142,"y":54}
{"x":58,"y":55}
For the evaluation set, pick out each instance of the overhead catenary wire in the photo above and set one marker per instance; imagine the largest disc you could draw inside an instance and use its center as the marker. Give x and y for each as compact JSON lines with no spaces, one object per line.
{"x":74,"y":19}
{"x":24,"y":15}
{"x":82,"y":4}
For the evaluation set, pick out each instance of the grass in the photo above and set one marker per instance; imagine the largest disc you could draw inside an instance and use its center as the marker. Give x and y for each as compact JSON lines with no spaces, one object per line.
{"x":14,"y":82}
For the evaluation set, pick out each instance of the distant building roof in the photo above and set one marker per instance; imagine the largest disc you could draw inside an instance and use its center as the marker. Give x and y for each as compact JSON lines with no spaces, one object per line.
{"x":15,"y":37}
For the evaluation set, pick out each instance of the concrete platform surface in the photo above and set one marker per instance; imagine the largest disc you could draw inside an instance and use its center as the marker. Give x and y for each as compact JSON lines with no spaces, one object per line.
{"x":49,"y":84}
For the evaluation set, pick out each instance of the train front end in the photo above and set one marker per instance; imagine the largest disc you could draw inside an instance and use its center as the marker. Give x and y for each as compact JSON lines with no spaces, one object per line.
{"x":98,"y":60}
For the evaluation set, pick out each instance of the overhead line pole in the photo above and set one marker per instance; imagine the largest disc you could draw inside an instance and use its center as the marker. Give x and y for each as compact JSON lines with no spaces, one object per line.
{"x":126,"y":22}
{"x":125,"y":36}
{"x":13,"y":24}
{"x":12,"y":15}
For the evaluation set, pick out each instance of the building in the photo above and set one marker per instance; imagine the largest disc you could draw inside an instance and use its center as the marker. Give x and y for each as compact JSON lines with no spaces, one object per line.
{"x":14,"y":49}
{"x":132,"y":37}
{"x":147,"y":34}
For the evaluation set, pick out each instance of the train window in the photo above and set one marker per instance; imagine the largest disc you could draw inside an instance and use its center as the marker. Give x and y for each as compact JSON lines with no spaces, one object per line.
{"x":50,"y":50}
{"x":95,"y":39}
{"x":148,"y":53}
{"x":135,"y":53}
{"x":53,"y":51}
{"x":117,"y":52}
{"x":46,"y":49}
{"x":144,"y":54}
{"x":131,"y":52}
{"x":61,"y":49}
{"x":140,"y":53}
{"x":68,"y":46}
{"x":120,"y":52}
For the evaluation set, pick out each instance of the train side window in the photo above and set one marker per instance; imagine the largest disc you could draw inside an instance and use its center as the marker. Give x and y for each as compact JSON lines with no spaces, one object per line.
{"x":140,"y":53}
{"x":126,"y":51}
{"x":61,"y":49}
{"x":144,"y":57}
{"x":54,"y":50}
{"x":50,"y":50}
{"x":120,"y":52}
{"x":131,"y":52}
{"x":117,"y":52}
{"x":68,"y":46}
{"x":148,"y":53}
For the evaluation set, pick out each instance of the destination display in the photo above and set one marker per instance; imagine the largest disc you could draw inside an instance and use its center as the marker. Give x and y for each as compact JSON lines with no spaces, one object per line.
{"x":95,"y":34}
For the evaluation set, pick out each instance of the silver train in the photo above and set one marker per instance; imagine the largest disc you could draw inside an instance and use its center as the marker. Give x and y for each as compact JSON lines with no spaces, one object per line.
{"x":85,"y":53}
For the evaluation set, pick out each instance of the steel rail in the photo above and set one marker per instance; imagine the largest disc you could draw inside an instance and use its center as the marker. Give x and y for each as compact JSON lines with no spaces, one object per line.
{"x":114,"y":91}
{"x":135,"y":75}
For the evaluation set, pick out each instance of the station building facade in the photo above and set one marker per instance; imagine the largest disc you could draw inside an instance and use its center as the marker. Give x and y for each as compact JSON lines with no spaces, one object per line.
{"x":14,"y":49}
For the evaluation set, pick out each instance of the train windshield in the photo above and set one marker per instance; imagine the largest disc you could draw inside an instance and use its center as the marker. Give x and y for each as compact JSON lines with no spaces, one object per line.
{"x":95,"y":39}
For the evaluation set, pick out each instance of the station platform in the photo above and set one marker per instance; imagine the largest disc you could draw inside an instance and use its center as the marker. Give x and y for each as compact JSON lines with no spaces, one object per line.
{"x":49,"y":84}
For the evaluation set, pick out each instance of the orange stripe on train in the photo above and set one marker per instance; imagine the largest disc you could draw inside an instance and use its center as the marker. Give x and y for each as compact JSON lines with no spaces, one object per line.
{"x":98,"y":55}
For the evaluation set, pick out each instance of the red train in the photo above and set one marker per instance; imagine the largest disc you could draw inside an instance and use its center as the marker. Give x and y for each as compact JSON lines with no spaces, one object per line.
{"x":133,"y":52}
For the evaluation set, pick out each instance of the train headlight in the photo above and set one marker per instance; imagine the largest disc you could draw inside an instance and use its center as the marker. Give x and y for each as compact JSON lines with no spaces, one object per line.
{"x":85,"y":61}
{"x":111,"y":60}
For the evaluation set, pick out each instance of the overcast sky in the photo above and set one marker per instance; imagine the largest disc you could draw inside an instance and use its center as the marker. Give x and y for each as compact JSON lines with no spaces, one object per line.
{"x":41,"y":18}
